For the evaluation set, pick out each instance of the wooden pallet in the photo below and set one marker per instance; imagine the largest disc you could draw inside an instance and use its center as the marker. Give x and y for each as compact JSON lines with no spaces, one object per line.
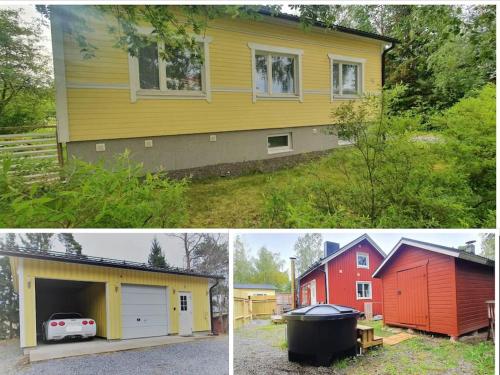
{"x":367,"y":338}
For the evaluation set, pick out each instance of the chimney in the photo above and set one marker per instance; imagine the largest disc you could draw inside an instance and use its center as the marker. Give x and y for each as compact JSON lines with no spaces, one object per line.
{"x":292,"y":283}
{"x":331,"y":248}
{"x":470,"y":247}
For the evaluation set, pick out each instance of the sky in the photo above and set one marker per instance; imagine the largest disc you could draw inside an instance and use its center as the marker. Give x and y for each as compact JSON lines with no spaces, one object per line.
{"x":127,"y":246}
{"x":283,"y":243}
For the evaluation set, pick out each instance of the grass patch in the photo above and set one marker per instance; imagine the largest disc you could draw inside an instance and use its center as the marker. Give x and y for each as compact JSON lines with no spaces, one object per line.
{"x":238,"y":202}
{"x":378,"y":326}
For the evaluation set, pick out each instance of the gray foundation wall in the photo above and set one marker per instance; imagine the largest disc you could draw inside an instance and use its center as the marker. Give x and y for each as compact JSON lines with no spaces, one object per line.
{"x":183,"y":152}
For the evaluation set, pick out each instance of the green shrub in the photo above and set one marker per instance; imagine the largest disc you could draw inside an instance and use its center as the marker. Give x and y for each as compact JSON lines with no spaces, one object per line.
{"x":92,"y":195}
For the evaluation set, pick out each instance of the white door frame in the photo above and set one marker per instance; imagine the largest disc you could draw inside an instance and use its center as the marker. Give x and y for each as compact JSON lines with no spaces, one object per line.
{"x":187,"y":332}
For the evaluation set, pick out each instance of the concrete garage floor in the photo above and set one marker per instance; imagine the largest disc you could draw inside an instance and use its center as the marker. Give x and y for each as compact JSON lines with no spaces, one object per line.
{"x":194,"y":357}
{"x":70,"y":349}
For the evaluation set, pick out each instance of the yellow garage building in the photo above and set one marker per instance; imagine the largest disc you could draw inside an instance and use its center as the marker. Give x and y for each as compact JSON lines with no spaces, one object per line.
{"x":126,"y":299}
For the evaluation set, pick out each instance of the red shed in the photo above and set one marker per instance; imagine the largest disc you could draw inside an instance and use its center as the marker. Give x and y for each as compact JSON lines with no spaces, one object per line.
{"x":436,"y":288}
{"x":349,"y":273}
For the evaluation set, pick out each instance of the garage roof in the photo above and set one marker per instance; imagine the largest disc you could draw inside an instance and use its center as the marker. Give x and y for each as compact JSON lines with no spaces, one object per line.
{"x":450,"y":251}
{"x":98,"y":261}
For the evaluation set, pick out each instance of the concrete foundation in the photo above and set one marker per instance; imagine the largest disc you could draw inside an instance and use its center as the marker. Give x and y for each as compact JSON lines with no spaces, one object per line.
{"x":193,"y":151}
{"x":63,"y":350}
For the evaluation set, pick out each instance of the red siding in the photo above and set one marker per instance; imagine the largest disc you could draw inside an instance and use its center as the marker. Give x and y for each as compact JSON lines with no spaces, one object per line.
{"x":475,"y":285}
{"x":441,"y":291}
{"x":343,"y":274}
{"x":319,"y":276}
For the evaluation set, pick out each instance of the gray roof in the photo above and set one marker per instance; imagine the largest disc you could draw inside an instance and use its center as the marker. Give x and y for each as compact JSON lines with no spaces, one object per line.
{"x":255,"y":286}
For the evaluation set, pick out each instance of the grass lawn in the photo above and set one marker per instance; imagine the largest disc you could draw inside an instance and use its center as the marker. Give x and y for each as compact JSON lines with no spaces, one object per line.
{"x":238,"y":202}
{"x":422,"y":354}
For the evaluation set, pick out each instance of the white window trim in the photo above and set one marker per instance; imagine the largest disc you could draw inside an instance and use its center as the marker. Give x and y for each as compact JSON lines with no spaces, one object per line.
{"x":278,"y":150}
{"x":137,"y":93}
{"x":297,"y":53}
{"x":367,"y":260}
{"x":370,"y":289}
{"x":345,"y":60}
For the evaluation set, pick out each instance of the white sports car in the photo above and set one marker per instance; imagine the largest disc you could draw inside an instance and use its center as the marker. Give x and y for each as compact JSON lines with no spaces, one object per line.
{"x":68,"y":325}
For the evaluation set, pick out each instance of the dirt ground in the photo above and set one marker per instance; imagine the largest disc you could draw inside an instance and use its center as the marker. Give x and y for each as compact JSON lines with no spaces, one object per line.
{"x":260,"y":348}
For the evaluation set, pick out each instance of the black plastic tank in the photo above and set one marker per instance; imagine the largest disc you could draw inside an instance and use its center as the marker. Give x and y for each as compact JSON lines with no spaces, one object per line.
{"x":319,"y":334}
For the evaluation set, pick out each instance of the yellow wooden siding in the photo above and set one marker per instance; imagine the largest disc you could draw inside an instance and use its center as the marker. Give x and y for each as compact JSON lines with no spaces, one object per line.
{"x":101,"y":113}
{"x":93,"y":300}
{"x":114,"y":277}
{"x":244,"y":293}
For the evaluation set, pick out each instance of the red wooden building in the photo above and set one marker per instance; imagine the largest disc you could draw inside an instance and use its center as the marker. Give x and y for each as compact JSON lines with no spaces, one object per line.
{"x":436,"y":288}
{"x":349,"y":273}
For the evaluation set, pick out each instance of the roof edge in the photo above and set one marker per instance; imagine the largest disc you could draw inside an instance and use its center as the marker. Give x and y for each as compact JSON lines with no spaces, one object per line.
{"x":450,"y":251}
{"x":102,"y":262}
{"x":342,"y":29}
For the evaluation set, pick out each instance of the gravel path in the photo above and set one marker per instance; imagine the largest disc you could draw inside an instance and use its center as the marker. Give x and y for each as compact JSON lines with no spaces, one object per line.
{"x":257,"y":351}
{"x":210,"y":356}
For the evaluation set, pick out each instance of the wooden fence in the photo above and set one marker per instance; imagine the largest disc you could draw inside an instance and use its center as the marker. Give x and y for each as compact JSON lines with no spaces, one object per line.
{"x":245,"y":309}
{"x":39,"y":147}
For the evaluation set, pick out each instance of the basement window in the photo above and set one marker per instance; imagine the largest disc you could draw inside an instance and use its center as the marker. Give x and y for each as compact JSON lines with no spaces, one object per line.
{"x":363,"y":290}
{"x":362,"y":260}
{"x":279,"y":143}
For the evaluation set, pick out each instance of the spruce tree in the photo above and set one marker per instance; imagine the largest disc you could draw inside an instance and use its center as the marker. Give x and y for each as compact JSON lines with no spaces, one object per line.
{"x":72,"y":246}
{"x":9,"y":306}
{"x":156,"y":257}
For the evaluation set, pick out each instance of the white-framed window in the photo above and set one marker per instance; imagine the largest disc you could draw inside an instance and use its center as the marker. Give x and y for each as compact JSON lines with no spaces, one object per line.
{"x":363,"y":290}
{"x":362,"y":260}
{"x":276,"y":72}
{"x":183,"y":76}
{"x":346,"y":76}
{"x":277,"y":143}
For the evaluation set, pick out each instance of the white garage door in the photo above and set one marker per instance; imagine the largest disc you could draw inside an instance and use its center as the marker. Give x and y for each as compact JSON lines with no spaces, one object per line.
{"x":144,"y":311}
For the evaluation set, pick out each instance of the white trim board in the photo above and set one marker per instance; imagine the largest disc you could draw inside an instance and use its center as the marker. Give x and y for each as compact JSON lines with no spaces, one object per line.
{"x":430,"y":247}
{"x":59,"y":79}
{"x":20,"y":285}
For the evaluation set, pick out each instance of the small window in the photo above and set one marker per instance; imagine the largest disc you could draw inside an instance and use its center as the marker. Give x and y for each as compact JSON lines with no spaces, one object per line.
{"x":183,"y":303}
{"x":363,"y":290}
{"x":347,"y":77}
{"x":362,"y":260}
{"x":277,"y":72}
{"x":279,"y":143}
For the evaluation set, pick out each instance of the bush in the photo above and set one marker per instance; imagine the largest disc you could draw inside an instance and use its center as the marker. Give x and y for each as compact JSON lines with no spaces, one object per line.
{"x":93,"y":196}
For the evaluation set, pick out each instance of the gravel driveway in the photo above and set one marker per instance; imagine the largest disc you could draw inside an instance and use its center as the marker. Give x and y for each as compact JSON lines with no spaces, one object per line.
{"x":209,"y":356}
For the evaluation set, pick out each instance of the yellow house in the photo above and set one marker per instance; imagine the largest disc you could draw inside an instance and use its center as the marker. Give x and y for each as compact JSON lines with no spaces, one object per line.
{"x":264,"y":92}
{"x":126,"y":299}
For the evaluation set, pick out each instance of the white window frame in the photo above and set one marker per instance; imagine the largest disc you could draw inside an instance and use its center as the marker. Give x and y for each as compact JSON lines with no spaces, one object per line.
{"x":277,"y":150}
{"x":255,"y":48}
{"x":163,"y":93}
{"x":367,"y":260}
{"x":339,"y":59}
{"x":370,"y":290}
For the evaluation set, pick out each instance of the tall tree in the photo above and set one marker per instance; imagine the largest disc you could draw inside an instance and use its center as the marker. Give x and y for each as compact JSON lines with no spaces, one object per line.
{"x":190,"y":244}
{"x":488,"y":245}
{"x":268,"y":269}
{"x":308,"y":249}
{"x":156,"y":257}
{"x":23,"y":62}
{"x":213,"y":258}
{"x":37,"y":241}
{"x":244,"y":270}
{"x":9,"y":305}
{"x":68,"y":240}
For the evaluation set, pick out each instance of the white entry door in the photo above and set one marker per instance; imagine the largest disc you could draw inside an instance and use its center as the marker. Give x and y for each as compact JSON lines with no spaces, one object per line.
{"x":313,"y":293}
{"x":144,"y":311}
{"x":185,"y":314}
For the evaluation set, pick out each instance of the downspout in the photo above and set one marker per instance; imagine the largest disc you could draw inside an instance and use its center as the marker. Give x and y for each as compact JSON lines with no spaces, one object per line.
{"x":383,"y":61}
{"x":326,"y":285}
{"x":211,"y":307}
